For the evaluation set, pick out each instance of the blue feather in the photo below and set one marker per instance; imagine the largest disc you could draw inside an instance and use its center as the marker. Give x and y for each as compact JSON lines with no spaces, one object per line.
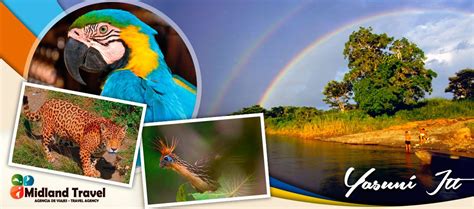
{"x":165,"y":99}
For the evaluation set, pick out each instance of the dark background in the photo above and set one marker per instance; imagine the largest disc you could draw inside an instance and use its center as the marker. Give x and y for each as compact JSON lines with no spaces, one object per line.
{"x":47,"y":65}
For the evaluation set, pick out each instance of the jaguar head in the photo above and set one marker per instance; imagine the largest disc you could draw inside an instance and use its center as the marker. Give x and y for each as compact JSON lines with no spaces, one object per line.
{"x":113,"y":135}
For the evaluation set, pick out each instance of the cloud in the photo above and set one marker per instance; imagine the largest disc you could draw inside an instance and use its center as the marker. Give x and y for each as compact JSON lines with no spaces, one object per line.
{"x":439,"y":58}
{"x":446,"y":38}
{"x":443,"y":32}
{"x":464,"y":45}
{"x":448,"y":44}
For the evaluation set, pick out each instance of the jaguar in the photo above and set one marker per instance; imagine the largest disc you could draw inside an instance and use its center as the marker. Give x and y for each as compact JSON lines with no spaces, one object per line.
{"x":66,"y":120}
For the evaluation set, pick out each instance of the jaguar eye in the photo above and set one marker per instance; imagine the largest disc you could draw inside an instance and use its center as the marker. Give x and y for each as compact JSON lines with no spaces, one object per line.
{"x":103,"y":29}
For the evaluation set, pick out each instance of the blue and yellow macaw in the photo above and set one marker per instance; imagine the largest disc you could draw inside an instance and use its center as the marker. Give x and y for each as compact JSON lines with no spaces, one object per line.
{"x":116,"y":41}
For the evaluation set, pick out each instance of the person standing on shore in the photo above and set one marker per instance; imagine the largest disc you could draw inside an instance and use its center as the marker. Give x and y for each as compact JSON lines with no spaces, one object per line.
{"x":422,"y":136}
{"x":407,"y":141}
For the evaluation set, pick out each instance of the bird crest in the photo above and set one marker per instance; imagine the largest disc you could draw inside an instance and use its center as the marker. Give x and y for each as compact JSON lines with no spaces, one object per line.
{"x":164,"y":148}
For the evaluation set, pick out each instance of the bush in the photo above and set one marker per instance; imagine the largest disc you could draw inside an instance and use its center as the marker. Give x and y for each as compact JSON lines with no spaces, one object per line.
{"x":122,"y":114}
{"x":311,"y":122}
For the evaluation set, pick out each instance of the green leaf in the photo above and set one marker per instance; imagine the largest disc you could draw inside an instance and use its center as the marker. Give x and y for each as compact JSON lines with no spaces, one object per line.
{"x":208,"y":195}
{"x":181,"y":194}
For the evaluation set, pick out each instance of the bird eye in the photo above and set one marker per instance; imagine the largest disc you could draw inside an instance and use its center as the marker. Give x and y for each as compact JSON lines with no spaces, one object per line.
{"x":103,"y":29}
{"x":167,"y":158}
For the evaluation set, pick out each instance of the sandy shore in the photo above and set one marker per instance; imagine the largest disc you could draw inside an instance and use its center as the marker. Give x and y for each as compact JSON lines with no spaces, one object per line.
{"x":445,"y":135}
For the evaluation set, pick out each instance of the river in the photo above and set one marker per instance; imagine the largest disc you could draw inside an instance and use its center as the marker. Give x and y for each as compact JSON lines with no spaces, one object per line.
{"x":319,"y":167}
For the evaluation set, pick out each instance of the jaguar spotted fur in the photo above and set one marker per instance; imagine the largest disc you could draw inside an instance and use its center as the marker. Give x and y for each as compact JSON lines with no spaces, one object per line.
{"x":68,"y":121}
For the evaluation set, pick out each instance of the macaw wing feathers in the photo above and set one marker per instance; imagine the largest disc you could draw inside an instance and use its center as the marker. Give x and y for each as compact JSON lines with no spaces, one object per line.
{"x":184,"y":83}
{"x":165,"y":99}
{"x":123,"y":84}
{"x":163,"y":103}
{"x":168,"y":100}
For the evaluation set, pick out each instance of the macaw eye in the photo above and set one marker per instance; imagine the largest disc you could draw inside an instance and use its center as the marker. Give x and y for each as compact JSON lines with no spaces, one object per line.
{"x":167,"y":158}
{"x":103,"y":29}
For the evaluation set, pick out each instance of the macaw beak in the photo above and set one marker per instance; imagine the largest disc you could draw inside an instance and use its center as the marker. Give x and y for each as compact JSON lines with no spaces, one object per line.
{"x":162,"y":164}
{"x":78,"y":56}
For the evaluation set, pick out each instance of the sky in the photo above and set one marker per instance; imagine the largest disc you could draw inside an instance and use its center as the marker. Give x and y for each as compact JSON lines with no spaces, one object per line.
{"x":242,"y":46}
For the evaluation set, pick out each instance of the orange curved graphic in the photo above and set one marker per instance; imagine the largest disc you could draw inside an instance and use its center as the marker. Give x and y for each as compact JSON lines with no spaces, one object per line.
{"x":15,"y":40}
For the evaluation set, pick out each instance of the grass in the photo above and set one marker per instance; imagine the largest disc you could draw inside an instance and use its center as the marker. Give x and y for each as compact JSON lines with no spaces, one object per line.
{"x":438,"y":108}
{"x":128,"y":155}
{"x":334,"y":123}
{"x":77,"y":100}
{"x":28,"y":151}
{"x":68,"y":165}
{"x":122,"y":114}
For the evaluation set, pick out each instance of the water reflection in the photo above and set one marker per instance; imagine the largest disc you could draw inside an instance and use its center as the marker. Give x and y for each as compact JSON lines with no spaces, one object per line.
{"x":320,"y":167}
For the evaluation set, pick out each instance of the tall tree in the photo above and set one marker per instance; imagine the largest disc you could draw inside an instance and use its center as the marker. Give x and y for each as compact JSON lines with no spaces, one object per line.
{"x":365,"y":51}
{"x":462,"y":84}
{"x":386,"y":74}
{"x":375,"y":95}
{"x":337,"y":94}
{"x":410,"y":77}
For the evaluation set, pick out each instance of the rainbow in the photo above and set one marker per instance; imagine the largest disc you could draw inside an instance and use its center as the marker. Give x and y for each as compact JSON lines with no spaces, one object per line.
{"x":322,"y":39}
{"x":248,"y":54}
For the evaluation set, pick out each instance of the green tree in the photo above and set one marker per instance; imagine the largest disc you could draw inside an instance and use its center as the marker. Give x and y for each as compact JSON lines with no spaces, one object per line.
{"x":306,"y":113}
{"x":386,"y":74}
{"x":252,"y":109}
{"x":462,"y":84}
{"x":375,"y":95}
{"x":365,"y":51}
{"x":410,"y":77}
{"x":286,"y":111}
{"x":276,"y":112}
{"x":337,"y":94}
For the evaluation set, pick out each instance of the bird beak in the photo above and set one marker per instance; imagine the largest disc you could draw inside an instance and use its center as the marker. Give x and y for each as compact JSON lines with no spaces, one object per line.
{"x":78,"y":56}
{"x":162,"y":164}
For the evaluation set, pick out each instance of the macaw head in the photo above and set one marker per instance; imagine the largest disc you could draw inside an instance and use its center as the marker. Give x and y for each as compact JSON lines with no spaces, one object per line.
{"x":109,"y":39}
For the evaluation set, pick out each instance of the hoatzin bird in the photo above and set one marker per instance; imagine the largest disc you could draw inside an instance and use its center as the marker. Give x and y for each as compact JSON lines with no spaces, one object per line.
{"x":198,"y":174}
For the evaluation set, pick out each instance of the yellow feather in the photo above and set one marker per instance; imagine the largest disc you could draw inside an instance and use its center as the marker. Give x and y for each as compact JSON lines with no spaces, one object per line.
{"x":142,"y":58}
{"x":185,"y":86}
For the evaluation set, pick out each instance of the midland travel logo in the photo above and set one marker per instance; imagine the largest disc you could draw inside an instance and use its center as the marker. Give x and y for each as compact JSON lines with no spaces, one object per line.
{"x":19,"y":183}
{"x":23,"y":188}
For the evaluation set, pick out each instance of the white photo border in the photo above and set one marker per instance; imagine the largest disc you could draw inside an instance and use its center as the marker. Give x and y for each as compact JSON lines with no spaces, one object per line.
{"x":197,"y":202}
{"x":61,"y":173}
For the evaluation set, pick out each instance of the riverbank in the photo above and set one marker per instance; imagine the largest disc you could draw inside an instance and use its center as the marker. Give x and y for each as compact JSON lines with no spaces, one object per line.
{"x":320,"y":167}
{"x":445,"y":135}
